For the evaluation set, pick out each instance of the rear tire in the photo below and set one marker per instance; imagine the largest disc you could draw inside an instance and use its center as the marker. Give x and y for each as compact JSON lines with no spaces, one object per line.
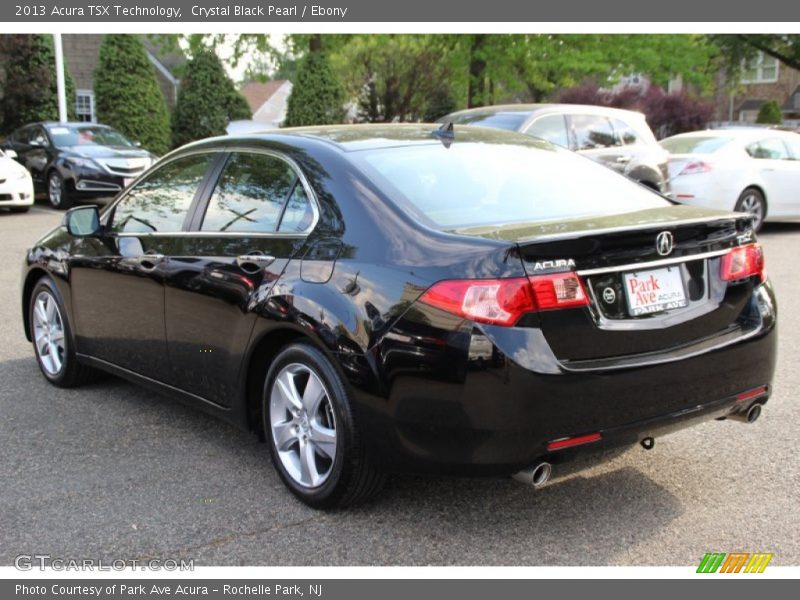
{"x":318,"y":454}
{"x":752,"y":201}
{"x":52,"y":338}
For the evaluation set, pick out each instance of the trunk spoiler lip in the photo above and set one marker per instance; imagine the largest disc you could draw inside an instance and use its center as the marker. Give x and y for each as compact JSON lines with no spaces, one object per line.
{"x":655,"y":224}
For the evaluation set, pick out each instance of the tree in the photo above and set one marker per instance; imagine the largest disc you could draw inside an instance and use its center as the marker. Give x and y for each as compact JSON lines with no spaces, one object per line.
{"x":127,"y":94}
{"x":738,"y":48}
{"x":317,"y":97}
{"x":770,"y":114}
{"x":207,"y":100}
{"x":29,"y":88}
{"x":395,"y":77}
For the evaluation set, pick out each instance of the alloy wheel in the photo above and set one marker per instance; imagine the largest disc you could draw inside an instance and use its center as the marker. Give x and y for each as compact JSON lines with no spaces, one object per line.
{"x":48,"y":333}
{"x":303,"y":425}
{"x":752,"y":204}
{"x":54,"y":189}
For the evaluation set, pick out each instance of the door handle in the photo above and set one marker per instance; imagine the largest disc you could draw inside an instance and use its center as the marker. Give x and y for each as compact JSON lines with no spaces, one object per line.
{"x":258,"y":261}
{"x":150,"y":261}
{"x":624,"y":159}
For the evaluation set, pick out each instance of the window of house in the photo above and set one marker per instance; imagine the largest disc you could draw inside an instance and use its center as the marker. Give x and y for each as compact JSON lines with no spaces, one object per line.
{"x":760,"y":69}
{"x":84,"y":106}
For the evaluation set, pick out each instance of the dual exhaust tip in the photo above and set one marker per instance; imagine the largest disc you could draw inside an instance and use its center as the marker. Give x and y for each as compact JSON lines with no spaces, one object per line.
{"x":537,"y":475}
{"x":748,"y":416}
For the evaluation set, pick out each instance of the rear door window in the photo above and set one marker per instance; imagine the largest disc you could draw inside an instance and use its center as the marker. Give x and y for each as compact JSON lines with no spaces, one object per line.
{"x":769,"y":149}
{"x":625,"y":133}
{"x":161,"y":201}
{"x":593,"y":132}
{"x":552,"y":128}
{"x":258,"y":193}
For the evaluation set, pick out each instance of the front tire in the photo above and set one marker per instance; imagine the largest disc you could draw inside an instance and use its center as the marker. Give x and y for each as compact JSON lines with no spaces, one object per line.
{"x":57,"y":192}
{"x":313,"y":439}
{"x":752,"y":201}
{"x":52,"y":338}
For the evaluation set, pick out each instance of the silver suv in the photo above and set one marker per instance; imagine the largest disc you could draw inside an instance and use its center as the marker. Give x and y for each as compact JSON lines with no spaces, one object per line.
{"x":620,"y":139}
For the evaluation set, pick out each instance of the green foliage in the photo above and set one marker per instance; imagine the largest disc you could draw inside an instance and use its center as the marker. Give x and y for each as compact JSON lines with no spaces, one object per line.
{"x":316,"y":97}
{"x":736,"y":49}
{"x":29,"y":87}
{"x":770,"y":113}
{"x":207,"y":100}
{"x":127,"y":94}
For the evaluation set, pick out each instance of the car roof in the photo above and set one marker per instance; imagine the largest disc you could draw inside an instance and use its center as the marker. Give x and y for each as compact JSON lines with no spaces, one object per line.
{"x":70,"y":124}
{"x":740,"y":133}
{"x":543,"y":108}
{"x":351,"y":138}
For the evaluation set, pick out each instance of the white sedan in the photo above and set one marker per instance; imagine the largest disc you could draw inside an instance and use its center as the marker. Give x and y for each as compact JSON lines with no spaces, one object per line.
{"x":755,"y":170}
{"x":16,"y":186}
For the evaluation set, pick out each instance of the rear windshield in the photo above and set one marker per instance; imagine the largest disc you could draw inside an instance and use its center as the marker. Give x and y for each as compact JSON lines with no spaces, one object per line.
{"x":694,"y":144}
{"x":473,"y":184}
{"x":512,"y":121}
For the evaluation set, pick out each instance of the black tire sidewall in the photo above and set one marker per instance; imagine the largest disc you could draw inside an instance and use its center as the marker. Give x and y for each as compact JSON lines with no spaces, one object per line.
{"x":65,"y":376}
{"x":335,"y":485}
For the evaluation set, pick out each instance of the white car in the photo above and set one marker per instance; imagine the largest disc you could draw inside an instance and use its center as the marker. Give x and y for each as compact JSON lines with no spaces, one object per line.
{"x":16,"y":186}
{"x":749,"y":169}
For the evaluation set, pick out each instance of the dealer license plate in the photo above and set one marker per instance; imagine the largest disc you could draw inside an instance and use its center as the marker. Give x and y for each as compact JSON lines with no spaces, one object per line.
{"x":654,"y":291}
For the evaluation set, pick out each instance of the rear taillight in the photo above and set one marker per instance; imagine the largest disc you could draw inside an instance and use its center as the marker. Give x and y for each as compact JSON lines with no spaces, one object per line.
{"x":694,"y":167}
{"x":504,"y":301}
{"x":742,"y":262}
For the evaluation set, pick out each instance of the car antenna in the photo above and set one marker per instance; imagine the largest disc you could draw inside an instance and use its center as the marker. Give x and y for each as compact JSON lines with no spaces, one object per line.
{"x":445,"y":133}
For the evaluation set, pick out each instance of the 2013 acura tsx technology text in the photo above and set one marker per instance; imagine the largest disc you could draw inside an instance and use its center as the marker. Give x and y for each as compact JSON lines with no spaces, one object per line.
{"x":383,"y":298}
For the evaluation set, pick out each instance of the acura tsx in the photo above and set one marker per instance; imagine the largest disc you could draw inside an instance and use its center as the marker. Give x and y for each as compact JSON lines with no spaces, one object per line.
{"x":371,"y":299}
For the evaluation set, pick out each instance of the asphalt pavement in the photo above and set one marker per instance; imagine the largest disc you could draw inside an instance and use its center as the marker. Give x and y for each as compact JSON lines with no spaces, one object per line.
{"x":113,"y":471}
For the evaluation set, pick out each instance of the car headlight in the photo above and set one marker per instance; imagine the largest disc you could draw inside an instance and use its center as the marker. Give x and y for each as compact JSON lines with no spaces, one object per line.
{"x":22,"y":174}
{"x":86,"y":163}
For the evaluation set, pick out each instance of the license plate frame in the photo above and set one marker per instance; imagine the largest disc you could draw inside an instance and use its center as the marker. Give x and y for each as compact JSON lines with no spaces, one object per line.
{"x":655,"y":291}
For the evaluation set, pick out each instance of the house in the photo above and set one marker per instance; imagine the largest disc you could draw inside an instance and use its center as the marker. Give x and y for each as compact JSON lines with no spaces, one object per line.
{"x":81,"y":52}
{"x":763,"y":79}
{"x":268,"y":100}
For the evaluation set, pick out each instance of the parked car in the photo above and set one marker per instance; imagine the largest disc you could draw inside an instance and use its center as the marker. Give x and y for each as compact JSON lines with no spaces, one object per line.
{"x":619,"y":139}
{"x":73,"y":161}
{"x":383,"y":298}
{"x":749,"y":169}
{"x":16,"y":187}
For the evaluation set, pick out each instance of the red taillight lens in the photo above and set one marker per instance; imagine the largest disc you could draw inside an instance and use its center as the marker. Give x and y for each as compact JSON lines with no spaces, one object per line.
{"x":559,"y":290}
{"x":694,"y":167}
{"x":743,"y":261}
{"x":504,"y":301}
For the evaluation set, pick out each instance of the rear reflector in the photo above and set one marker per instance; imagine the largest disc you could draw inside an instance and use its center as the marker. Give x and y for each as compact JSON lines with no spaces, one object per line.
{"x":742,"y":262}
{"x":750,"y":394}
{"x":504,"y":301}
{"x":574,"y":441}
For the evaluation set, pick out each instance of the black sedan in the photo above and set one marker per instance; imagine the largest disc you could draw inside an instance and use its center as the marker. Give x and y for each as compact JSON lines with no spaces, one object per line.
{"x":382,"y":298}
{"x":74,"y":161}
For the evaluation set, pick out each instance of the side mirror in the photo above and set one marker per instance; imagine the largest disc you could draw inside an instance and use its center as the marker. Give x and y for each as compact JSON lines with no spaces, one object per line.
{"x":82,"y":221}
{"x":37,"y":143}
{"x":10,"y":153}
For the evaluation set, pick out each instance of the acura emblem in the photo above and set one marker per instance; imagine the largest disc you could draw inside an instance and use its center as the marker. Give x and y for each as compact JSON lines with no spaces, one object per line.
{"x":664,"y":243}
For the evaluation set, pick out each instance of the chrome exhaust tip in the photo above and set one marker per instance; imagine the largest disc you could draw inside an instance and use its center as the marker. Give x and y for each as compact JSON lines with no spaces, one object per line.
{"x":750,"y":415}
{"x":537,"y":475}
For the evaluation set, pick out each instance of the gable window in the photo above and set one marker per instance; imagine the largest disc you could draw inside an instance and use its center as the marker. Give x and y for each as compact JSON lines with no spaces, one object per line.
{"x":84,"y":106}
{"x":760,"y":69}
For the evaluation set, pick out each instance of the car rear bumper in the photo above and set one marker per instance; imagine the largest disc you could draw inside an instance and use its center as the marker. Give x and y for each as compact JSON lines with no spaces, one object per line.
{"x":495,"y":416}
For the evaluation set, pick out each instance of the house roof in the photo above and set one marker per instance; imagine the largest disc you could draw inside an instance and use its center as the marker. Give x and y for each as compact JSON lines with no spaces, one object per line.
{"x":257,"y":93}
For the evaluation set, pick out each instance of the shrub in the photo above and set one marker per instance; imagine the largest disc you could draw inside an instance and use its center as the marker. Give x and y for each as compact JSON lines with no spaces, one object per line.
{"x":127,"y":94}
{"x":207,"y":100}
{"x":770,"y":113}
{"x":29,"y":89}
{"x":317,"y":97}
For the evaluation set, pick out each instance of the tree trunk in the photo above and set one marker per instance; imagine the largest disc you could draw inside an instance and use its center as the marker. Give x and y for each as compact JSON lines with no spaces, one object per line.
{"x":315,"y":43}
{"x":476,"y":94}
